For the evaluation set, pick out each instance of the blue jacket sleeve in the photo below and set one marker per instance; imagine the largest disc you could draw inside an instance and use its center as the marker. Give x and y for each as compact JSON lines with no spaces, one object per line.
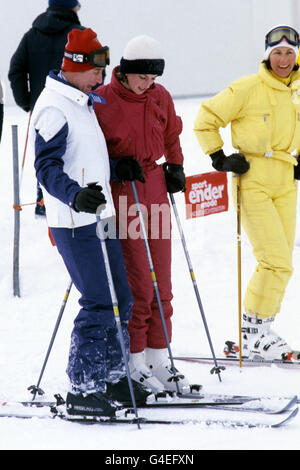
{"x":49,"y":167}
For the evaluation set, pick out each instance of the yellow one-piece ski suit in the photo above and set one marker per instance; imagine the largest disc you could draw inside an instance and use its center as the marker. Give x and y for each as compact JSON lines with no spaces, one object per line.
{"x":264,"y":113}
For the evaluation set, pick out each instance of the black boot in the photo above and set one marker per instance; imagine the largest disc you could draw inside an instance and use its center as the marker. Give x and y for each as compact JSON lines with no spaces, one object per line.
{"x":93,"y":404}
{"x":119,"y":391}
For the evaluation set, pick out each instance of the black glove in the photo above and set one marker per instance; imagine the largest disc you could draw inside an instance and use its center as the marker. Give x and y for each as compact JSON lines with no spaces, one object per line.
{"x":297,"y":169}
{"x":235,"y":162}
{"x":175,"y":177}
{"x":89,"y":199}
{"x":128,"y":169}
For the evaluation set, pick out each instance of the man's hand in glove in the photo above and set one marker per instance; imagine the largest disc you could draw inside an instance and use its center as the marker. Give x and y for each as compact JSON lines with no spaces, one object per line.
{"x":89,"y":199}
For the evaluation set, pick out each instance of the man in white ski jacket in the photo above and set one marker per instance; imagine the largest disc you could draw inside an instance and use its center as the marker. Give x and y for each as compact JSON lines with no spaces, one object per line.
{"x":72,"y":165}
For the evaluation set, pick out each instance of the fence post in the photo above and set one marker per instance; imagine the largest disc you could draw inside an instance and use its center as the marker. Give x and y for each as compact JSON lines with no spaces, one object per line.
{"x":16,"y":247}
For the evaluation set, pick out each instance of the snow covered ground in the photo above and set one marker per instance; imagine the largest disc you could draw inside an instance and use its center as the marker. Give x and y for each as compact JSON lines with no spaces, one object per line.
{"x":26,"y":323}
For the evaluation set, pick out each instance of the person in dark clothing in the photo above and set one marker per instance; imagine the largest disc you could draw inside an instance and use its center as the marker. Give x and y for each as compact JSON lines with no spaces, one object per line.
{"x":41,"y":49}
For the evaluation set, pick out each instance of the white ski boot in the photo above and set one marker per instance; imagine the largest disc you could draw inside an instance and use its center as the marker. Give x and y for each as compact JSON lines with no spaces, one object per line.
{"x":260,"y":341}
{"x":142,"y":374}
{"x":158,"y":362}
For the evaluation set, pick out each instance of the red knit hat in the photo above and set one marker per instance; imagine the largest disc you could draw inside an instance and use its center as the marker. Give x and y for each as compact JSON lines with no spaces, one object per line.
{"x":80,"y":51}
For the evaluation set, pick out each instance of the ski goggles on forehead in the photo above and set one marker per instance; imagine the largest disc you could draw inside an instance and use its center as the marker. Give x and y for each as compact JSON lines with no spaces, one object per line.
{"x":98,"y":58}
{"x":277,"y":34}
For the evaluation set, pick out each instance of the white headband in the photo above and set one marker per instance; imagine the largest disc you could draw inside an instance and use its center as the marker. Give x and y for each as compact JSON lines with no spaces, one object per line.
{"x":283,"y":43}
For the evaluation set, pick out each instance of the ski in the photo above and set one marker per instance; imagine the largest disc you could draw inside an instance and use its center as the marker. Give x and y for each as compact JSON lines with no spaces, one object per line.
{"x":275,"y":422}
{"x":268,"y":405}
{"x":234,"y":361}
{"x":232,"y":350}
{"x":255,"y":405}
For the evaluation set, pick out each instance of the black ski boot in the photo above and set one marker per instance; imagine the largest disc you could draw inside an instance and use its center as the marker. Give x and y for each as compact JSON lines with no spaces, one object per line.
{"x":119,"y":391}
{"x":93,"y":404}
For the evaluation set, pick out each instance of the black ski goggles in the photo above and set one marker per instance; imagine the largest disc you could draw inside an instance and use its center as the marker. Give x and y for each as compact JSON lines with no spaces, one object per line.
{"x":276,"y":35}
{"x":98,"y":58}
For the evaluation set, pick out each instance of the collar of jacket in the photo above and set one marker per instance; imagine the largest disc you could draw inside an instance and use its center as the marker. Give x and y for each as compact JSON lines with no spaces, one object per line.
{"x":125,"y":93}
{"x":272,"y":81}
{"x":53,"y":82}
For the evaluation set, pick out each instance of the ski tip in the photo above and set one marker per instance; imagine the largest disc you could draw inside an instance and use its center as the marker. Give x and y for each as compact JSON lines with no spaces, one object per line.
{"x":288,"y":406}
{"x":288,"y":418}
{"x":293,"y":402}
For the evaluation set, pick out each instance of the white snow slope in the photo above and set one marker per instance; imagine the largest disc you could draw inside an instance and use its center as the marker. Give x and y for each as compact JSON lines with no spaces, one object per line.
{"x":26,"y":323}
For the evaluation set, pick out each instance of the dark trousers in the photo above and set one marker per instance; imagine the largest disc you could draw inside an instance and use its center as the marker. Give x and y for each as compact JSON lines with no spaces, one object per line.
{"x":95,"y":354}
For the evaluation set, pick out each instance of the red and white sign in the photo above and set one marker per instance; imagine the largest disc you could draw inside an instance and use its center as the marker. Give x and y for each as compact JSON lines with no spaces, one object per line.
{"x":206,"y":194}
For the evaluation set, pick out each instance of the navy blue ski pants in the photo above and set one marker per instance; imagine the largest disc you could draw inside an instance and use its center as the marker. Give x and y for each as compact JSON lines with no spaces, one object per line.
{"x":95,"y":354}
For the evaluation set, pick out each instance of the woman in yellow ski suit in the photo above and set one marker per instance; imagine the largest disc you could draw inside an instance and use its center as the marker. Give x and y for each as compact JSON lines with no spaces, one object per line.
{"x":264,"y":112}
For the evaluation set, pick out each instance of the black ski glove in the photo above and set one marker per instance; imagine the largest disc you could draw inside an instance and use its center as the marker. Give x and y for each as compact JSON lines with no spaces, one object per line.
{"x":89,"y":199}
{"x":297,"y":169}
{"x":175,"y":177}
{"x":235,"y":162}
{"x":128,"y":169}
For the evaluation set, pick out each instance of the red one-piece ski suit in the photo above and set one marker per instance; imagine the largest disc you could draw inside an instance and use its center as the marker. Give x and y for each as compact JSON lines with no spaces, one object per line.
{"x":146,"y":128}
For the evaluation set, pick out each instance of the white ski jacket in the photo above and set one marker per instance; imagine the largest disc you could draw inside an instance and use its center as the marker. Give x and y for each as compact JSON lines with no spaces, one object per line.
{"x":70,"y":152}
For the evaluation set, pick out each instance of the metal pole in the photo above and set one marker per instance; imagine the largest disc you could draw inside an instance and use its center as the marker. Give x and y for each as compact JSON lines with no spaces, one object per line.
{"x":100,"y":233}
{"x":36,"y":388}
{"x":153,"y":276}
{"x":16,"y":247}
{"x":217,"y":369}
{"x":239,"y":261}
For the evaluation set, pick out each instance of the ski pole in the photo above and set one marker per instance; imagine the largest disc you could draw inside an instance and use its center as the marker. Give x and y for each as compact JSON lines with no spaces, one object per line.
{"x":100,"y":233}
{"x":35,"y":389}
{"x":217,"y":369}
{"x":239,"y":258}
{"x":154,"y":281}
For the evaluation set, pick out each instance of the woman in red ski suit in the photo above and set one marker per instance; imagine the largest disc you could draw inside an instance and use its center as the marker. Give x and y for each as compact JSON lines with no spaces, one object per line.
{"x":140,"y":126}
